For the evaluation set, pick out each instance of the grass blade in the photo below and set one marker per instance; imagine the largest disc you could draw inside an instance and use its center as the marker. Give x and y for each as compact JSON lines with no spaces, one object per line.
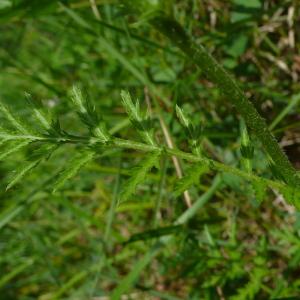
{"x":294,"y":101}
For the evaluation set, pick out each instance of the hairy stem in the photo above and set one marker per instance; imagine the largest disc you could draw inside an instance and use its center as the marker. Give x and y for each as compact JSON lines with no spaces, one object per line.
{"x":212,"y":164}
{"x":217,"y":74}
{"x":132,"y":145}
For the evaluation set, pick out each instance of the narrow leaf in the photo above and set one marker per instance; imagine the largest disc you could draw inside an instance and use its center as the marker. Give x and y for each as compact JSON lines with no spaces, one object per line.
{"x":247,"y":150}
{"x":183,"y":119}
{"x":38,"y":112}
{"x":193,"y":132}
{"x":43,"y":152}
{"x":192,"y":176}
{"x":3,"y":141}
{"x":277,"y":173}
{"x":12,"y":120}
{"x":72,"y":169}
{"x":129,"y":280}
{"x":138,"y":175}
{"x":155,"y":233}
{"x":142,"y":124}
{"x":292,"y":195}
{"x":260,"y":190}
{"x":6,"y":277}
{"x":21,"y":173}
{"x":77,"y":99}
{"x":132,"y":110}
{"x":88,"y":115}
{"x":15,"y":147}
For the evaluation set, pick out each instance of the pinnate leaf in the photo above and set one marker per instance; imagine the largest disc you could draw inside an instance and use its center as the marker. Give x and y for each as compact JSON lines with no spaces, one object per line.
{"x":89,"y":116}
{"x":138,"y":175}
{"x":12,"y":119}
{"x":192,"y":176}
{"x":12,"y":148}
{"x":183,"y":119}
{"x":133,"y":110}
{"x":142,"y":123}
{"x":72,"y":168}
{"x":22,"y":172}
{"x":34,"y":159}
{"x":38,"y":112}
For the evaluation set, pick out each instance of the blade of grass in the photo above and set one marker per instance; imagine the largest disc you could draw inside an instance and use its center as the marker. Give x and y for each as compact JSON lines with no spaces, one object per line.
{"x":113,"y":206}
{"x":116,"y":54}
{"x":15,"y":272}
{"x":294,"y":101}
{"x":128,"y":281}
{"x":189,"y":213}
{"x":70,"y":284}
{"x":121,"y":31}
{"x":158,"y":199}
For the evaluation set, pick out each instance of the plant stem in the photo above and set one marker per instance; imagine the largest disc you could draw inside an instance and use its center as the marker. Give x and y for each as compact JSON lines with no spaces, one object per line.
{"x":128,"y":144}
{"x":212,"y":164}
{"x":229,"y":87}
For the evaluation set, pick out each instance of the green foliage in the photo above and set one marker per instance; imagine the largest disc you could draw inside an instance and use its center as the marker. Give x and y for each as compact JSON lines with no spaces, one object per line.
{"x":89,"y":116}
{"x":142,"y":123}
{"x":292,"y":195}
{"x":260,"y":190}
{"x":12,"y":120}
{"x":38,"y":112}
{"x":138,"y":175}
{"x":191,"y":177}
{"x":56,"y":137}
{"x":49,"y":141}
{"x":21,"y":173}
{"x":12,"y":148}
{"x":193,"y":132}
{"x":218,"y":75}
{"x":250,"y":290}
{"x":72,"y":168}
{"x":172,"y":196}
{"x":184,"y":121}
{"x":155,"y":233}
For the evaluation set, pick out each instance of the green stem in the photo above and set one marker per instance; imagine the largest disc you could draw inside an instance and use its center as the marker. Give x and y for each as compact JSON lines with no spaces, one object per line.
{"x":228,"y":86}
{"x":212,"y":164}
{"x":128,"y":144}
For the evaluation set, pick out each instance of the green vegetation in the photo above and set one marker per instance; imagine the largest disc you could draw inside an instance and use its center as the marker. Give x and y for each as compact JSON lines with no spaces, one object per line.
{"x":149,"y":149}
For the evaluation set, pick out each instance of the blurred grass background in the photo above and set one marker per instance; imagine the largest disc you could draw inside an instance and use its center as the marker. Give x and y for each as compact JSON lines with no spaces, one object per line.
{"x":71,"y":245}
